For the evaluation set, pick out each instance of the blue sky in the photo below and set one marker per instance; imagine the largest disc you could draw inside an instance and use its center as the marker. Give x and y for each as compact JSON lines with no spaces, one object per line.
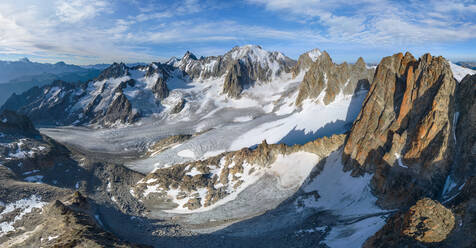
{"x":103,"y":31}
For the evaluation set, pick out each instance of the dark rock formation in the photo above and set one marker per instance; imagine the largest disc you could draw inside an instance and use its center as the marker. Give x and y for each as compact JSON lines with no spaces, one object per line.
{"x":330,"y":79}
{"x":72,"y":224}
{"x":120,"y":110}
{"x":465,"y":133}
{"x":426,"y":222}
{"x":404,"y":131}
{"x":17,"y":125}
{"x":114,"y":71}
{"x":304,"y":62}
{"x":178,"y":107}
{"x":235,"y":80}
{"x":160,"y":89}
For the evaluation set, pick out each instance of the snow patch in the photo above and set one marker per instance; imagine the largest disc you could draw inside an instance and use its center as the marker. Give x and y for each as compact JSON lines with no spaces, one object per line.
{"x":23,"y":206}
{"x":399,"y":161}
{"x":314,"y":54}
{"x":243,"y":118}
{"x":34,"y":179}
{"x":293,"y":169}
{"x":186,"y":153}
{"x":460,"y":72}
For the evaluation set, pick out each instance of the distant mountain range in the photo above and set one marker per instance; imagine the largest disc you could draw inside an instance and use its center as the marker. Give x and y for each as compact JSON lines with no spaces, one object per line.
{"x":467,"y":64}
{"x":19,"y":76}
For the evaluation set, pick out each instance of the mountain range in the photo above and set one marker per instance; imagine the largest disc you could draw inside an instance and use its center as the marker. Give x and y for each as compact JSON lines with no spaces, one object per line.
{"x":247,"y":149}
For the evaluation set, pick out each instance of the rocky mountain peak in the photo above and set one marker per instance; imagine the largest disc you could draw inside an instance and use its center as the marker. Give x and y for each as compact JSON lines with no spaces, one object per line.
{"x":404,"y":128}
{"x":114,"y":71}
{"x":360,"y":62}
{"x":189,"y":55}
{"x":305,"y":60}
{"x":325,"y":80}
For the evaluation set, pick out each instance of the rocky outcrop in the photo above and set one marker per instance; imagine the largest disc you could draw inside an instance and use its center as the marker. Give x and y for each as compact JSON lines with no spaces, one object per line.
{"x":305,"y":61}
{"x":120,"y":110}
{"x":17,"y":125}
{"x":221,"y":175}
{"x":426,"y":222}
{"x":114,"y":71}
{"x":160,"y":89}
{"x":163,"y":72}
{"x":68,"y":224}
{"x":178,"y":107}
{"x":235,"y":80}
{"x":465,"y":133}
{"x":166,"y":143}
{"x":325,"y":80}
{"x":403,"y":133}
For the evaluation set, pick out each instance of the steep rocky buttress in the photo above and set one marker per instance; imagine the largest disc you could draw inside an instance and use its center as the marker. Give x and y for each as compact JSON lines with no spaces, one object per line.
{"x":403,"y":133}
{"x":328,"y":79}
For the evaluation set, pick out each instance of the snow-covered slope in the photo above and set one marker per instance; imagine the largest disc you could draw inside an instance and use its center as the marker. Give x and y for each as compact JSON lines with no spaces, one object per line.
{"x":460,"y":72}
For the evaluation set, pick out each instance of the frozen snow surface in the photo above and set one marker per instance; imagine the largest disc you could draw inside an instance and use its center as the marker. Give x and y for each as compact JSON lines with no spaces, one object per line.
{"x":460,"y":72}
{"x":21,"y":207}
{"x":314,"y":54}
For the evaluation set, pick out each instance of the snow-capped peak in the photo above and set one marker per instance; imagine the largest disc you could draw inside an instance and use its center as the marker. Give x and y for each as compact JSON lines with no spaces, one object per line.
{"x":314,"y":54}
{"x":460,"y":72}
{"x":189,"y":55}
{"x":255,"y":53}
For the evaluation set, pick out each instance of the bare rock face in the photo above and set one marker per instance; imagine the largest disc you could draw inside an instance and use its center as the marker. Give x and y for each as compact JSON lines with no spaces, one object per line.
{"x":305,"y":61}
{"x":114,"y":71}
{"x":163,"y":72}
{"x":178,"y":107}
{"x":326,"y":79}
{"x":70,"y":224}
{"x":235,"y":80}
{"x":15,"y":124}
{"x":428,"y":221}
{"x":160,"y":89}
{"x":465,"y":133}
{"x":120,"y":110}
{"x":404,"y":130}
{"x":425,"y":224}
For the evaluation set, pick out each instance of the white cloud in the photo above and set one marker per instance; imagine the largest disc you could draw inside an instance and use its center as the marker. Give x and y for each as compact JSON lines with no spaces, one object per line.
{"x":72,"y":11}
{"x":88,"y":31}
{"x":383,"y":22}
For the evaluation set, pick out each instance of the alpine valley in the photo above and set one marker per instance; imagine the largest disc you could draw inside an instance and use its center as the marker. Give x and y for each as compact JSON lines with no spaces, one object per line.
{"x":247,"y":149}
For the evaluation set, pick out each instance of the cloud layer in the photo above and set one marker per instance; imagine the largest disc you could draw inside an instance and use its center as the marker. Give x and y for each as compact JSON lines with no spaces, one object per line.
{"x":93,"y":31}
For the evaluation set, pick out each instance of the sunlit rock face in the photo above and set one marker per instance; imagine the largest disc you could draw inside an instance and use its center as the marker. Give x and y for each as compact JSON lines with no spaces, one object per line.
{"x":325,"y":80}
{"x":404,"y":130}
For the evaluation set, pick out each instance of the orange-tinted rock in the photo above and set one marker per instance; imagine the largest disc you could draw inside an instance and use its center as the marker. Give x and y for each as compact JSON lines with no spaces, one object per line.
{"x":326,"y":80}
{"x":404,"y":130}
{"x":428,"y":221}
